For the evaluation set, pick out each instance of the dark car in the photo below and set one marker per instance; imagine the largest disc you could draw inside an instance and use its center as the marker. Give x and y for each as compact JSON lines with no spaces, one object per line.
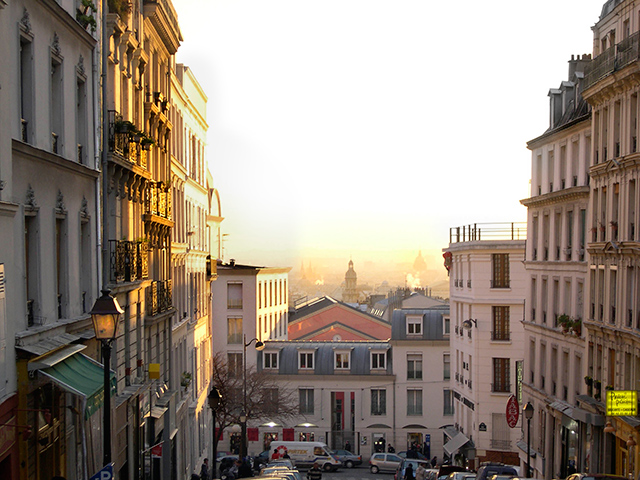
{"x":487,"y":470}
{"x":419,"y":455}
{"x":347,"y":458}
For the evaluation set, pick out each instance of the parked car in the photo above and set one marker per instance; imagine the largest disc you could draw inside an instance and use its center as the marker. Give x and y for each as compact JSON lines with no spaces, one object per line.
{"x":387,"y":462}
{"x":466,"y":475}
{"x":399,"y":475}
{"x":420,"y":456}
{"x":593,"y":476}
{"x":501,"y":477}
{"x":487,"y":470}
{"x":347,"y":458}
{"x":432,"y":474}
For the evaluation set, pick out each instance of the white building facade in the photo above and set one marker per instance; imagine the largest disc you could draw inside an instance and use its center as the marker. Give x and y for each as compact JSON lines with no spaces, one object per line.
{"x":487,"y":291}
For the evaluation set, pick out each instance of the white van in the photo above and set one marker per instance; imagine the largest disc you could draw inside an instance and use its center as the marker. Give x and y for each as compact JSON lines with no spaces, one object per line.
{"x":305,"y":454}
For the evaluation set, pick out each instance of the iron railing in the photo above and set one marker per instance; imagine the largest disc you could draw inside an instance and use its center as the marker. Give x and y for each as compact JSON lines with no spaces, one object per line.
{"x":158,"y":200}
{"x":129,"y":261}
{"x":124,"y":143}
{"x":488,"y":231}
{"x":158,"y":297}
{"x":612,"y":59}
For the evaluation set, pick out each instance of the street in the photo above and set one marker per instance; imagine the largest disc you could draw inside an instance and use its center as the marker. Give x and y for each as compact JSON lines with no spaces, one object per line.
{"x":354,"y":474}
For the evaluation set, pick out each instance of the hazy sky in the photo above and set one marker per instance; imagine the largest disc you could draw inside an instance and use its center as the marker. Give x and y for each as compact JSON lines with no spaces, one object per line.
{"x":362,"y":128}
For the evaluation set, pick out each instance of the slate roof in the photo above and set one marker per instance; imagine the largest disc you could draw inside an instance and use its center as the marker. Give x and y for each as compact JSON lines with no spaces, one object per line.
{"x":360,"y":362}
{"x":432,"y":323}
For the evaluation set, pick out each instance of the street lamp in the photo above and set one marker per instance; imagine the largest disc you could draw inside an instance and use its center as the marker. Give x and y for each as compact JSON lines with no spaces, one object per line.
{"x":214,"y":398}
{"x":528,"y":414}
{"x":105,"y":314}
{"x":243,"y":415}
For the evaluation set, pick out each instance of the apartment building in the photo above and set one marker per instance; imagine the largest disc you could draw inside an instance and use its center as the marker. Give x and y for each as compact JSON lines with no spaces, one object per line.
{"x":487,"y":292}
{"x":612,"y":313}
{"x":192,"y":269}
{"x":49,"y":217}
{"x":557,"y":267}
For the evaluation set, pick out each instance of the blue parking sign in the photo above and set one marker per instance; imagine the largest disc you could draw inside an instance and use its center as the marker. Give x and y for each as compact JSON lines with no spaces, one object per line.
{"x":105,"y":474}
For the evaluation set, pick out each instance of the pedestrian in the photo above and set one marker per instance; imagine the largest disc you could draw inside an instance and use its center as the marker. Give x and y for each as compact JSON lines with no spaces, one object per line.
{"x":434,"y":462}
{"x":275,"y":455}
{"x":244,"y":469}
{"x":195,"y":476}
{"x":347,"y":446}
{"x":314,"y":472}
{"x":204,"y":470}
{"x":408,"y":472}
{"x":421,"y":472}
{"x":390,"y":449}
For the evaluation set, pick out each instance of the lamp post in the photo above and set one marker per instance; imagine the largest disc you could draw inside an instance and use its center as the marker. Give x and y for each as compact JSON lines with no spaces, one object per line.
{"x":243,"y":415}
{"x":528,"y":414}
{"x":105,"y":314}
{"x":214,"y":398}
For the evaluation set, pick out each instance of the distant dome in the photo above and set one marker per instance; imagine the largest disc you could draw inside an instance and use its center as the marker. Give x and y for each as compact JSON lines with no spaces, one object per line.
{"x":351,"y":272}
{"x":419,"y":265}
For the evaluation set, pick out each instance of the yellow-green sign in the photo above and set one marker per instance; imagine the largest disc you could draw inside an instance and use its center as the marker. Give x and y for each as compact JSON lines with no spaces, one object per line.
{"x":622,"y":403}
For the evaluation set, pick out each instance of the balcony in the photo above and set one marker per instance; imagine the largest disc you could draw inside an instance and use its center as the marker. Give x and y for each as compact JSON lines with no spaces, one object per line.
{"x":612,"y":59}
{"x":488,"y":231}
{"x":158,"y":201}
{"x":124,"y":142}
{"x":129,"y":261}
{"x":158,"y":297}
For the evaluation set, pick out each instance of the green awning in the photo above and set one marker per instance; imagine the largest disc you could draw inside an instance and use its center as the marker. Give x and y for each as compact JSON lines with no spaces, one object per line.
{"x":82,"y":376}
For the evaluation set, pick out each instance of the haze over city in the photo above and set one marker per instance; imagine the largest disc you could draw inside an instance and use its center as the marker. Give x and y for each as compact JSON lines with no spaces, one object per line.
{"x":361,"y":129}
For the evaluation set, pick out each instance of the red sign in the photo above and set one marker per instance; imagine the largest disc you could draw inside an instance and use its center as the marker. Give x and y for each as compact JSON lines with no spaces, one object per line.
{"x":513,"y":411}
{"x":156,"y":450}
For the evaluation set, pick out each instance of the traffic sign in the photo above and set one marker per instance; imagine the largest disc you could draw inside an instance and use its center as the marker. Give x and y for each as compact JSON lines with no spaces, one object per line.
{"x":513,"y":411}
{"x":105,"y":474}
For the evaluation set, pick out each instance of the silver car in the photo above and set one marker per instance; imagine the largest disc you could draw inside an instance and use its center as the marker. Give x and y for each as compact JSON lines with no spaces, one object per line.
{"x":387,"y":462}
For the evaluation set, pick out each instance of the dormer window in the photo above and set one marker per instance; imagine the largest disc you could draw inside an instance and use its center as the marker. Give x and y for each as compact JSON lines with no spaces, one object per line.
{"x":414,"y":325}
{"x":378,"y":360}
{"x":270,"y":360}
{"x":305,"y":360}
{"x":342,"y":360}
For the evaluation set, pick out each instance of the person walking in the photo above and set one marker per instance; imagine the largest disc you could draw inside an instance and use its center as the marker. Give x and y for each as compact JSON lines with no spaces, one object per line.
{"x":314,"y":472}
{"x":420,"y":472}
{"x":408,"y":473}
{"x":204,"y":470}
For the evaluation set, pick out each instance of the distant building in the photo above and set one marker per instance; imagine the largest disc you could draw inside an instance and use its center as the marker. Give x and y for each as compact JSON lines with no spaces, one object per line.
{"x":328,"y":319}
{"x":350,"y":292}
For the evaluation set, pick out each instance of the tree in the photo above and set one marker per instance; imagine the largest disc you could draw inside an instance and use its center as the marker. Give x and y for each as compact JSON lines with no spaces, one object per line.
{"x":267,"y":400}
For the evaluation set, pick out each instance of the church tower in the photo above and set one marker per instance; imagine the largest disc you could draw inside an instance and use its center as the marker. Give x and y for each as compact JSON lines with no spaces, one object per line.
{"x":350,"y":294}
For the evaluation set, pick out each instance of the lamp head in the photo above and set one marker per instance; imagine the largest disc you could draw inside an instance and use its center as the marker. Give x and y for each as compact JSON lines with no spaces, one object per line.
{"x":259,"y":345}
{"x":243,"y":417}
{"x":105,"y":314}
{"x":214,"y":398}
{"x":528,"y":411}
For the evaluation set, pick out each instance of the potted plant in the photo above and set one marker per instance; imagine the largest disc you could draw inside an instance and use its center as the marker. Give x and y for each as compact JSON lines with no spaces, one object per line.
{"x":576,"y":326}
{"x":588,"y":380}
{"x":85,"y":14}
{"x":185,"y":379}
{"x":124,"y":126}
{"x":146,"y":142}
{"x":608,"y":387}
{"x":565,"y":322}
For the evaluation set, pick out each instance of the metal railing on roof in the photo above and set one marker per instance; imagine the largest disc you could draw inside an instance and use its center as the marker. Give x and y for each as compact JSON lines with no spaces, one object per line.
{"x":488,"y":231}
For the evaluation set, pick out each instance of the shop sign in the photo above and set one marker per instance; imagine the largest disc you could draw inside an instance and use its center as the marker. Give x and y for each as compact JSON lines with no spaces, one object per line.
{"x":513,"y":411}
{"x":622,"y":403}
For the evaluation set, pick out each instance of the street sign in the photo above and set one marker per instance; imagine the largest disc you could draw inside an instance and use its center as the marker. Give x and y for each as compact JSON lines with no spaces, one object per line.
{"x":105,"y":474}
{"x":513,"y":411}
{"x":622,"y":403}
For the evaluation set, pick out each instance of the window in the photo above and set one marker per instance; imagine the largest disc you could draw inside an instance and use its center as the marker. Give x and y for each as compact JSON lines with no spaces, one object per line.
{"x":271,"y":360}
{"x":447,"y":325}
{"x":234,"y":364}
{"x":234,"y":330}
{"x":234,"y":295}
{"x":270,"y":400}
{"x":414,"y":325}
{"x":306,"y":401}
{"x":414,"y":402}
{"x":446,"y":366}
{"x":305,"y":360}
{"x":448,"y":402}
{"x":26,"y":88}
{"x":501,"y":375}
{"x":378,"y":360}
{"x":56,"y":102}
{"x":378,"y":401}
{"x":61,"y":265}
{"x":342,"y":360}
{"x":500,"y":270}
{"x":414,"y":367}
{"x":500,"y":323}
{"x":81,"y":119}
{"x":31,"y":268}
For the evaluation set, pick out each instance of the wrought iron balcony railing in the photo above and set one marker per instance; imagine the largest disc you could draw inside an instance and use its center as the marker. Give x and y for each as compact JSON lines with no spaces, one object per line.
{"x":129,"y":260}
{"x":158,"y":297}
{"x":125,"y":143}
{"x":158,"y":200}
{"x":612,"y":59}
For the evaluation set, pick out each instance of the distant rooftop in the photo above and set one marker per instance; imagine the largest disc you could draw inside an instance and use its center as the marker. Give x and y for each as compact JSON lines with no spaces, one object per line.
{"x":477,"y":232}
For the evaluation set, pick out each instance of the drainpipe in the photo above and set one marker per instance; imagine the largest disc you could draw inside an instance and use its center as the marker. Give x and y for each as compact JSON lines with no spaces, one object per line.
{"x":105,"y":147}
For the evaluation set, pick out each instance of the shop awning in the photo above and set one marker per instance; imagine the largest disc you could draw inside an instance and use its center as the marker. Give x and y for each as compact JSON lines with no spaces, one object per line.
{"x":453,"y":445}
{"x":82,"y":376}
